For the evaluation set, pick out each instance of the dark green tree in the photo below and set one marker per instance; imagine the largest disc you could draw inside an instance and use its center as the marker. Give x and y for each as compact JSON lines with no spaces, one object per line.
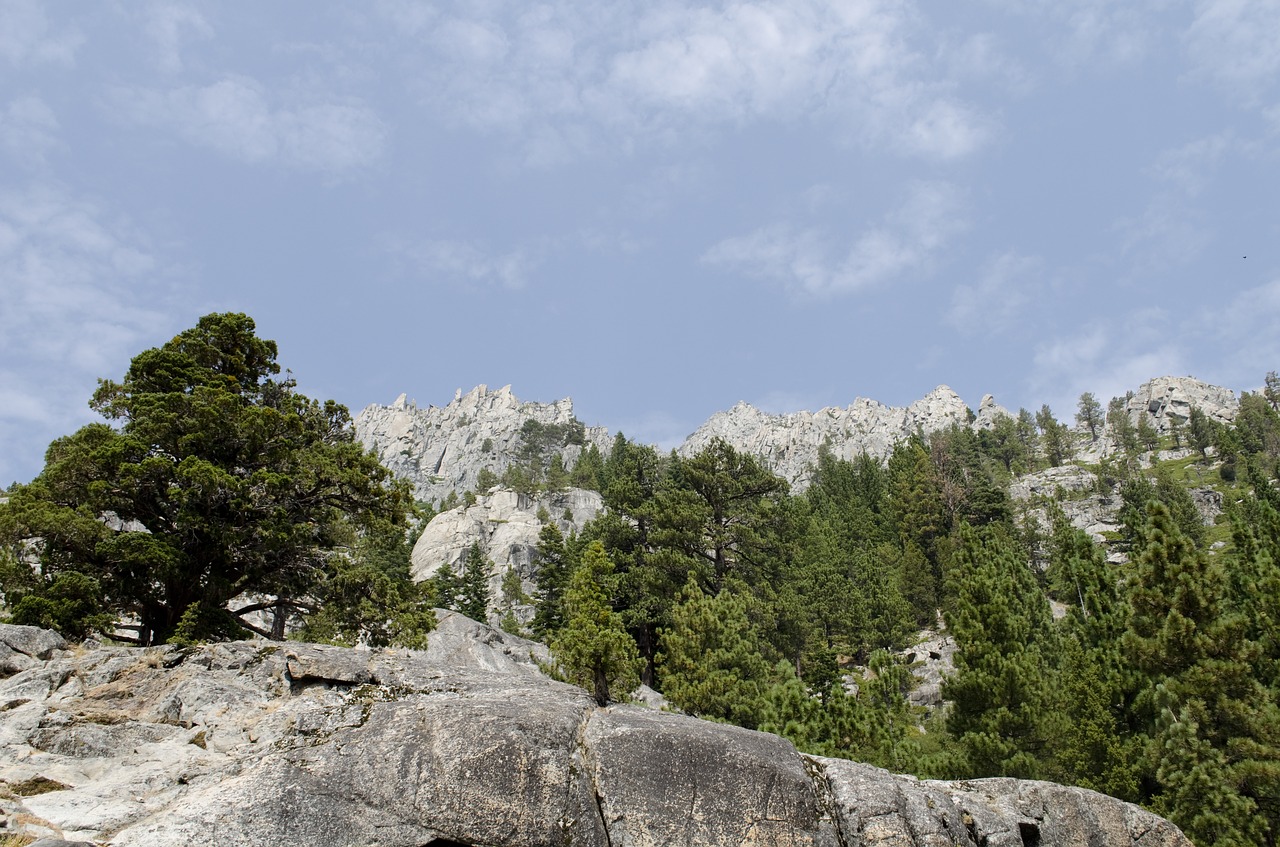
{"x":588,"y":471}
{"x":1089,"y":414}
{"x":218,"y":479}
{"x":1055,"y":439}
{"x":723,"y":512}
{"x":712,"y":661}
{"x":1200,"y":431}
{"x":1123,"y":432}
{"x":554,"y":570}
{"x":593,"y":648}
{"x":1213,"y":726}
{"x":1000,"y":620}
{"x":474,"y":599}
{"x":486,"y":480}
{"x":368,"y":596}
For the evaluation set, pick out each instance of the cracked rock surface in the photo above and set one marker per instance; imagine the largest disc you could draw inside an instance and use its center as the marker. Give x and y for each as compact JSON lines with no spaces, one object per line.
{"x":466,"y":743}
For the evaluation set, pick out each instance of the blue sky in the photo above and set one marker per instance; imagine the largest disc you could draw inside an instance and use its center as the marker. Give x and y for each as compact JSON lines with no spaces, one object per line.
{"x":658,"y":208}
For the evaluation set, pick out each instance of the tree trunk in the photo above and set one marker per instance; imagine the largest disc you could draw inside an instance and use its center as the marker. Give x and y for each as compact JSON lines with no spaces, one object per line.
{"x":278,"y":620}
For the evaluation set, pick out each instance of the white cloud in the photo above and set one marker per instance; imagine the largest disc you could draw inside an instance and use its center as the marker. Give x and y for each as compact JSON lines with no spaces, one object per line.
{"x":468,"y":261}
{"x":236,"y":117}
{"x":1234,"y":43}
{"x":906,"y":240}
{"x":1106,"y":360}
{"x":169,"y":25}
{"x":81,"y":296}
{"x":26,"y":37}
{"x":28,"y":130}
{"x":1086,"y":34}
{"x":1168,"y":234}
{"x":1243,"y":331}
{"x":1190,"y":166}
{"x":1006,"y":285}
{"x":661,"y":429}
{"x":658,"y":72}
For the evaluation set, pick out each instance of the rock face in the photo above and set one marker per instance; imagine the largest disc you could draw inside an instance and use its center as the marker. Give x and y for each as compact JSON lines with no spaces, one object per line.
{"x":506,"y":525}
{"x":1168,"y":399}
{"x":789,"y":444}
{"x":444,"y":449}
{"x":467,"y":743}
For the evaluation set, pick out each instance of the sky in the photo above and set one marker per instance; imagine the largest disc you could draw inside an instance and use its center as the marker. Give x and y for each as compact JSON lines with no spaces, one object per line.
{"x":658,"y":208}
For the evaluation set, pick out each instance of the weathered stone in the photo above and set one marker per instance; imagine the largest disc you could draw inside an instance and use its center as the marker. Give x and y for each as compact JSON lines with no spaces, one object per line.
{"x":506,"y":525}
{"x":457,"y":745}
{"x":1168,"y":400}
{"x":789,"y":444}
{"x":664,"y":779}
{"x":443,"y":449}
{"x":31,"y":641}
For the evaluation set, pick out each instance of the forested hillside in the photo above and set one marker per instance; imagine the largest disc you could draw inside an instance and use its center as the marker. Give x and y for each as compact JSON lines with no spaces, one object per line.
{"x":1143,"y":664}
{"x":1142,"y":660}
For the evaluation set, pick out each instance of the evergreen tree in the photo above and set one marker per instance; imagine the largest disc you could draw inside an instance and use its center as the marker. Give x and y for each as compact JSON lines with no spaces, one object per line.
{"x":554,"y":570}
{"x":593,"y":648}
{"x":916,"y":505}
{"x":712,"y":664}
{"x":240,"y":483}
{"x":486,"y":480}
{"x":1055,"y":440}
{"x":1000,"y":620}
{"x":474,"y":595}
{"x":588,"y":471}
{"x":369,"y":596}
{"x":446,"y":586}
{"x":1271,"y":389}
{"x":1030,"y":440}
{"x":1213,"y":726}
{"x":1089,"y":414}
{"x":723,"y":514}
{"x":1123,"y":432}
{"x":1200,"y":431}
{"x":1148,"y":437}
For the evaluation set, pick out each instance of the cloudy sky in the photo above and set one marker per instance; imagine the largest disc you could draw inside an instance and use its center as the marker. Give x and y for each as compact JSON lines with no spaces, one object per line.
{"x":659,"y":208}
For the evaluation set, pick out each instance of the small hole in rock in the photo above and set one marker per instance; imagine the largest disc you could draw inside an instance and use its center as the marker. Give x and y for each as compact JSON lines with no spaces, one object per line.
{"x":1030,"y":834}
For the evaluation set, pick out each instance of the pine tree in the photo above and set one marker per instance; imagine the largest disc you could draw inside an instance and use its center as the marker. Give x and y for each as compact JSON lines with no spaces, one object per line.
{"x":593,"y":649}
{"x":1214,"y":728}
{"x":1000,"y":621}
{"x":554,"y":571}
{"x":1089,"y":414}
{"x":1055,"y":439}
{"x":474,"y":599}
{"x":711,"y":662}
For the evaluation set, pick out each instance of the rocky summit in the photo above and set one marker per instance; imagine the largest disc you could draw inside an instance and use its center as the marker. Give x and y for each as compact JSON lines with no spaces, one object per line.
{"x":466,"y":743}
{"x":443,"y":449}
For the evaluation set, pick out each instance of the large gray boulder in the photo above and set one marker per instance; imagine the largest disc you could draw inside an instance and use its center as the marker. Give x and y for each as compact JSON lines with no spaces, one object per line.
{"x":466,"y":743}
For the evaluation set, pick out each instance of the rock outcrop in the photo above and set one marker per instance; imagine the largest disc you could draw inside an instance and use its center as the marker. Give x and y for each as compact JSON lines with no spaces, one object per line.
{"x":443,"y":449}
{"x":789,"y":444}
{"x":1168,"y":400}
{"x":467,"y":743}
{"x":506,"y":525}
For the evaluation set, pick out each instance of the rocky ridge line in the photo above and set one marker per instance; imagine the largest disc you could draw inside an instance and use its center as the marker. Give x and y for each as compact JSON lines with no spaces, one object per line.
{"x":467,"y":743}
{"x":443,"y":449}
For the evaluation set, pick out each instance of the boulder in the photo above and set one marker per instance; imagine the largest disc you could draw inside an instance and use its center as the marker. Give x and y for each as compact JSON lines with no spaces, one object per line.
{"x":466,"y":743}
{"x":1168,"y":400}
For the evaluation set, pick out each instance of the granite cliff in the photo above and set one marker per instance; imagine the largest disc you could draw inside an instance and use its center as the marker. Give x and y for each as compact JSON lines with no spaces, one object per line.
{"x":467,"y":743}
{"x":443,"y":449}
